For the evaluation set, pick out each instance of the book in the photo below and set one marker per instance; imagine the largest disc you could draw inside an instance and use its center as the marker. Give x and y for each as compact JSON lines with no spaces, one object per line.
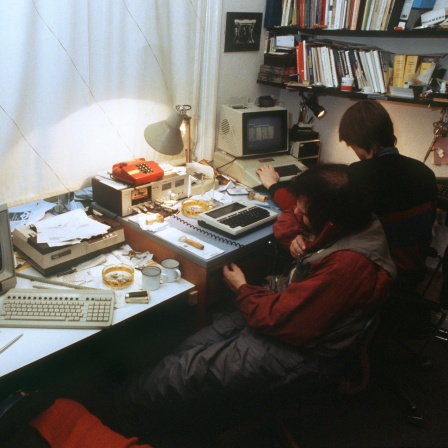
{"x":406,"y":10}
{"x":273,"y":13}
{"x":386,"y":16}
{"x":399,"y":64}
{"x":356,"y":4}
{"x":410,"y":68}
{"x":379,"y":70}
{"x":395,"y":13}
{"x":374,"y":15}
{"x":381,"y":13}
{"x":365,"y":67}
{"x":300,"y":62}
{"x":367,"y":8}
{"x":373,"y":71}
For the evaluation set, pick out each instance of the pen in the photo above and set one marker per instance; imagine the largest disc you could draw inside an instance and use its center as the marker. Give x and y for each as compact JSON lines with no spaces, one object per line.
{"x":2,"y":349}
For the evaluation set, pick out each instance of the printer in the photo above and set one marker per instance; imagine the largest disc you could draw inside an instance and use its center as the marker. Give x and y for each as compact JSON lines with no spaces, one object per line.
{"x":53,"y":260}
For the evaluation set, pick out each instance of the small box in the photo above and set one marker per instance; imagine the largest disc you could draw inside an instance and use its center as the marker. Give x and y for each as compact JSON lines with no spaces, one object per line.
{"x":435,"y":16}
{"x":423,"y":4}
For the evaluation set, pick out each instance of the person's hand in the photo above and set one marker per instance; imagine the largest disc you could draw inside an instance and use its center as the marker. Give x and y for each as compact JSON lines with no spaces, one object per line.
{"x":297,"y":246}
{"x":268,"y":175}
{"x":233,"y":276}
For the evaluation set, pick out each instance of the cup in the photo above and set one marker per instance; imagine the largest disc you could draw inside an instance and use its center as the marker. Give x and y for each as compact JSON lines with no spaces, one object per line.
{"x":347,"y":83}
{"x":171,"y":272}
{"x":151,"y":276}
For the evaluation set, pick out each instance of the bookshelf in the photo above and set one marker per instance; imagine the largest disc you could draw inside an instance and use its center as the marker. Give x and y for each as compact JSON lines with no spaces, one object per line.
{"x":366,"y":37}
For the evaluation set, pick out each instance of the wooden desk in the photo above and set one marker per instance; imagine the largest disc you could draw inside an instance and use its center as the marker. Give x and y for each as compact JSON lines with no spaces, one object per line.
{"x":247,"y":251}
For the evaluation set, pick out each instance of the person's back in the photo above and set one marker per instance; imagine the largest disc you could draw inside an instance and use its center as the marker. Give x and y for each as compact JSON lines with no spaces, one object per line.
{"x":402,"y":191}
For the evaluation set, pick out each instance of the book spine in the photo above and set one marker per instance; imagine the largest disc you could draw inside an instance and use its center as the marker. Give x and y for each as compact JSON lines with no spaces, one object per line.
{"x":410,"y":68}
{"x":399,"y":64}
{"x":299,"y":58}
{"x":379,"y":70}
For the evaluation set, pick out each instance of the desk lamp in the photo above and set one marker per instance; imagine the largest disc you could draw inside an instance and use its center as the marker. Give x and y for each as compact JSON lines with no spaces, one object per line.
{"x":310,"y":101}
{"x":165,"y":136}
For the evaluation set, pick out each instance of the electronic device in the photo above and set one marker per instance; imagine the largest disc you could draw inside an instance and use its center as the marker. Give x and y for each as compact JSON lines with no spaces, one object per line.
{"x":7,"y":263}
{"x":125,"y":200}
{"x":52,"y":260}
{"x":57,"y":308}
{"x":243,"y":169}
{"x":306,"y":151}
{"x":246,"y":131}
{"x":237,"y":218}
{"x":137,"y":172}
{"x":170,"y":188}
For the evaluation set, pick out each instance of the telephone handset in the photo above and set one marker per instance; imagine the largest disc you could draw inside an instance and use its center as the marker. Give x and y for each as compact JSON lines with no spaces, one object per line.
{"x":137,"y":171}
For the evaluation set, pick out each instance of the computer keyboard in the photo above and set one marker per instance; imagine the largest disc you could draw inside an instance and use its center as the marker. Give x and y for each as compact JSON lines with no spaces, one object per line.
{"x":287,"y":170}
{"x":246,"y":217}
{"x":57,"y":308}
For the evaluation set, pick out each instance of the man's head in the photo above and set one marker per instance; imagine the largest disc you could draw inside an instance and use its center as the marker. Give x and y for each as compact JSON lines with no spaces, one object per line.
{"x":326,"y":193}
{"x":367,"y":127}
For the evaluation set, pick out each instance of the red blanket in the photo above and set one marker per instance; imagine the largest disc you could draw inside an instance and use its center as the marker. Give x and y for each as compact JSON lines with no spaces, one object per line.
{"x":68,"y":424}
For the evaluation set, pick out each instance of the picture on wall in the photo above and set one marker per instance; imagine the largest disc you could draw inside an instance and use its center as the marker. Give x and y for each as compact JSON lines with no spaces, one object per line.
{"x":243,"y":31}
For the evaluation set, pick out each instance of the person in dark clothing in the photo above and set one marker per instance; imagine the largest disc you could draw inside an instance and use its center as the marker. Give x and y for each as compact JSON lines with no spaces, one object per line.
{"x":401,"y":191}
{"x":291,"y":330}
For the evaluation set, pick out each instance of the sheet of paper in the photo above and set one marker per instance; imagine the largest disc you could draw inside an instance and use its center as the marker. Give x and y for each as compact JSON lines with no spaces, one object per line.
{"x":172,"y":235}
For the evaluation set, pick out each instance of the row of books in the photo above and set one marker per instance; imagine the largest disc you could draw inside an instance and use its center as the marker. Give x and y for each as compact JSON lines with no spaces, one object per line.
{"x":378,"y":15}
{"x":275,"y":74}
{"x":322,"y":62}
{"x":410,"y":69}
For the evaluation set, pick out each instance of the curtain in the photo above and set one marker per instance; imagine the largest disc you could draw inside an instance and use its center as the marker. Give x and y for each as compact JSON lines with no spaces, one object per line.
{"x":81,"y":79}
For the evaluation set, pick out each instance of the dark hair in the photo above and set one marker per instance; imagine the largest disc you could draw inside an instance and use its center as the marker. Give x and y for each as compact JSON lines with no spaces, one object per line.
{"x":333,"y":196}
{"x":368,"y":125}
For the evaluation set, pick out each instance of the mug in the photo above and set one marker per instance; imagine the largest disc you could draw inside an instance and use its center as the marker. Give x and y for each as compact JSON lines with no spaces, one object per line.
{"x":151,"y":276}
{"x":171,"y":272}
{"x":347,"y":83}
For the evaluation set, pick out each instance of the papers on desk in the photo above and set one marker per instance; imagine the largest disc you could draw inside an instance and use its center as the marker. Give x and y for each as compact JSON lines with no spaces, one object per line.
{"x":173,"y":235}
{"x":68,"y":228}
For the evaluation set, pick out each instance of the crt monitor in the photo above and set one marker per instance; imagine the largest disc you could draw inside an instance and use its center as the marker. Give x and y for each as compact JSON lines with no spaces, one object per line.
{"x":7,"y":267}
{"x":253,"y":131}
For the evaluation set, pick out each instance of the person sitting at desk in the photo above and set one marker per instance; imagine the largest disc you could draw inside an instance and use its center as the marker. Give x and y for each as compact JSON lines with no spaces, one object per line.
{"x":401,"y":191}
{"x":283,"y":332}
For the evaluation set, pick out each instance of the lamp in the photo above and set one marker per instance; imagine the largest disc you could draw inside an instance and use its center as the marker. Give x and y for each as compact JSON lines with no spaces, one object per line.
{"x":165,"y":136}
{"x":311,"y":102}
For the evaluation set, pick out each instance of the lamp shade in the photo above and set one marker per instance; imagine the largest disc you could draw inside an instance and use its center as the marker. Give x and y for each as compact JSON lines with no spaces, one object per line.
{"x":165,"y":136}
{"x":316,"y":108}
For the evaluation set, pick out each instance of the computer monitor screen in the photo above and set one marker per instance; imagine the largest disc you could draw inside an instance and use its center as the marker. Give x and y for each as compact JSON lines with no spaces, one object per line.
{"x":7,"y":267}
{"x":253,"y":131}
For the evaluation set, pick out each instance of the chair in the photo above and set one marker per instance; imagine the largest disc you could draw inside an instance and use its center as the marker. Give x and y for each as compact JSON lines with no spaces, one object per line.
{"x":284,"y":412}
{"x":407,"y":342}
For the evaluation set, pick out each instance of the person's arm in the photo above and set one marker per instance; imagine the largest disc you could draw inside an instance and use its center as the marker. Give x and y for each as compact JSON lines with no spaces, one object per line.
{"x":277,"y":190}
{"x":337,"y":283}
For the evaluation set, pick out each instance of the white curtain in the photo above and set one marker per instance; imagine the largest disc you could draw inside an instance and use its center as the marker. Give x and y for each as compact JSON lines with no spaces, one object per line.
{"x":81,"y":79}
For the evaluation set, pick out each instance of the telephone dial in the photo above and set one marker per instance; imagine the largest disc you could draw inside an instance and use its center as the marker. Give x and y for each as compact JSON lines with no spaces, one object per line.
{"x":137,"y":172}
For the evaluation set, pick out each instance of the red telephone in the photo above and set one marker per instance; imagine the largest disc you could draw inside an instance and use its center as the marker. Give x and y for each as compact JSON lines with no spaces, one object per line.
{"x":137,"y":172}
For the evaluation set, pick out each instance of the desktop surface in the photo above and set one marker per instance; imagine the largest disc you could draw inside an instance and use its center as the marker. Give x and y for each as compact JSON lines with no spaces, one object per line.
{"x":38,"y":343}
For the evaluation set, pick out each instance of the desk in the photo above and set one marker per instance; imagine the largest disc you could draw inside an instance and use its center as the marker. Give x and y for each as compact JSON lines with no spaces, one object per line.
{"x":206,"y":275}
{"x":39,"y":343}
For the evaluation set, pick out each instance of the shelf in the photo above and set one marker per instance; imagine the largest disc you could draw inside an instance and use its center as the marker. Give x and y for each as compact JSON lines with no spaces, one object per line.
{"x":423,"y":33}
{"x":358,"y":95}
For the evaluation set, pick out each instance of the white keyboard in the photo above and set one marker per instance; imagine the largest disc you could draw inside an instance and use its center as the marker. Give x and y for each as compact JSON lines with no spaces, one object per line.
{"x":57,"y":308}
